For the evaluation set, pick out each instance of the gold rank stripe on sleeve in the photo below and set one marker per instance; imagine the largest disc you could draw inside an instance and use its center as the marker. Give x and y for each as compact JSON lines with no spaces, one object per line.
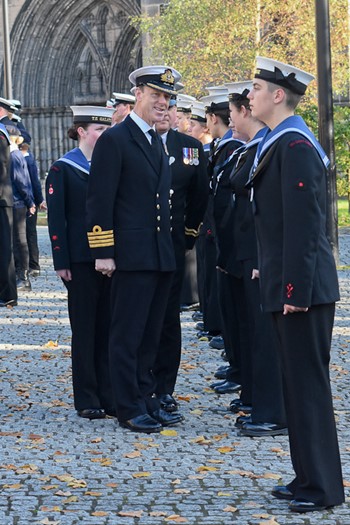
{"x":192,"y":232}
{"x":100,"y":239}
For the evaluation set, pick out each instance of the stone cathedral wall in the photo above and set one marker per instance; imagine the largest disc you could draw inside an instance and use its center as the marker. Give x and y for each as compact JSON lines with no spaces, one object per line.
{"x":64,"y":53}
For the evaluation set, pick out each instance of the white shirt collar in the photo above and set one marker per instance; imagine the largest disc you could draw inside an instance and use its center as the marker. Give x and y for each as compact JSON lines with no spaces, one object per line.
{"x":142,"y":124}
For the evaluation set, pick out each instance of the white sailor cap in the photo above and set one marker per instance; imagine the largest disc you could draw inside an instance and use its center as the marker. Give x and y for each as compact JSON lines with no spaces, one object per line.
{"x":215,"y":102}
{"x":217,"y":90}
{"x":7,"y":104}
{"x":16,"y":118}
{"x":198,"y":111}
{"x":123,"y":98}
{"x":238,"y":89}
{"x":184,"y":103}
{"x":161,"y":78}
{"x":290,"y":77}
{"x":16,"y":103}
{"x":92,"y":114}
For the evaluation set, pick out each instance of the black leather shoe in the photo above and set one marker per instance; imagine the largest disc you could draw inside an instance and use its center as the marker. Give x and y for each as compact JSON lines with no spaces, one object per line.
{"x":12,"y":302}
{"x":199,"y":326}
{"x":282,"y":492}
{"x":305,"y":506}
{"x":144,"y":423}
{"x":227,"y":388}
{"x":92,"y":413}
{"x":263,"y":429}
{"x":167,"y":402}
{"x":217,"y":342}
{"x":237,"y":406}
{"x":242,"y":420}
{"x":197,"y":316}
{"x":221,"y":372}
{"x":166,"y":418}
{"x":218,"y":383}
{"x":33,"y":273}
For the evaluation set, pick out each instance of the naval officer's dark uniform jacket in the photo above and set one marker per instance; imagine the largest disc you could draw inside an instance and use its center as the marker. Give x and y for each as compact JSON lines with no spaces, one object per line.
{"x":260,"y":367}
{"x":128,"y":214}
{"x":8,"y":289}
{"x":88,"y":291}
{"x":297,"y":267}
{"x":190,"y":187}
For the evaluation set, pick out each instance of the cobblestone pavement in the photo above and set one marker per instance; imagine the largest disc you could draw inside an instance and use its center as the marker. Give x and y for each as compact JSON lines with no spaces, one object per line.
{"x":58,"y":469}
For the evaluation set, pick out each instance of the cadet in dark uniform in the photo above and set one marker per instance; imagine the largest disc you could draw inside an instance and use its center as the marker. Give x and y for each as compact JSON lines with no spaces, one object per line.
{"x":8,"y":289}
{"x":298,"y":279}
{"x":261,"y":373}
{"x":188,"y":203}
{"x":122,"y":104}
{"x":129,"y":230}
{"x":88,"y":290}
{"x":227,"y":275}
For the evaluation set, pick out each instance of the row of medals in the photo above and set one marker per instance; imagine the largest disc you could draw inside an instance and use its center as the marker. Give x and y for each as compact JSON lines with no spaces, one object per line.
{"x":190,"y":156}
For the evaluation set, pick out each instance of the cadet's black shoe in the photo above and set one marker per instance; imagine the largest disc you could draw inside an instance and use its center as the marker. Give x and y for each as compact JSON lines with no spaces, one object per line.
{"x":92,"y":413}
{"x":236,"y":406}
{"x":305,"y":506}
{"x":227,"y":387}
{"x":167,"y":402}
{"x":197,"y":316}
{"x":217,"y":342}
{"x":33,"y":273}
{"x":165,"y":418}
{"x":12,"y":302}
{"x":263,"y":429}
{"x":242,"y":420}
{"x":221,"y":372}
{"x":199,"y":326}
{"x":110,"y":412}
{"x":282,"y":492}
{"x":144,"y":423}
{"x":218,"y":383}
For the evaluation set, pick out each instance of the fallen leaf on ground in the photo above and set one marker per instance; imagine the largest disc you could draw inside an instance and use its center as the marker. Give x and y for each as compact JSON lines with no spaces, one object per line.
{"x":132,"y":455}
{"x":51,"y":344}
{"x":92,"y":493}
{"x":204,"y":468}
{"x":169,"y":433}
{"x":96,"y":440}
{"x":201,"y":440}
{"x":224,"y":494}
{"x":131,"y":514}
{"x":270,"y":475}
{"x":230,"y":509}
{"x":99,"y":513}
{"x":182,"y":491}
{"x":225,"y":450}
{"x":141,"y":474}
{"x":46,"y":521}
{"x":176,"y":518}
{"x":157,"y":514}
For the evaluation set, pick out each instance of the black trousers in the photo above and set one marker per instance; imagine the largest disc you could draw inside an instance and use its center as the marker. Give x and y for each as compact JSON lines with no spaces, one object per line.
{"x":32,"y":241}
{"x":8,"y":289}
{"x":20,"y":246}
{"x":263,"y":372}
{"x":138,"y":300}
{"x":304,"y":346}
{"x":89,"y":314}
{"x":168,"y":358}
{"x":211,"y":311}
{"x":189,"y":292}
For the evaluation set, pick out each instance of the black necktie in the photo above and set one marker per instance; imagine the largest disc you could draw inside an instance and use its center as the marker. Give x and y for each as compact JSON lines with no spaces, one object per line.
{"x":156,"y":144}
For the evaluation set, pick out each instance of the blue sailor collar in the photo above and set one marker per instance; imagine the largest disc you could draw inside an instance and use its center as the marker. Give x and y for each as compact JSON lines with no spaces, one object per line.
{"x":225,"y":139}
{"x":4,"y":131}
{"x":290,"y":124}
{"x":77,"y":159}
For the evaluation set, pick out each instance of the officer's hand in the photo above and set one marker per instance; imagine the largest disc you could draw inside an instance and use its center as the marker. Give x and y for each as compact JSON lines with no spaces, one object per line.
{"x":43,"y":206}
{"x":255,"y":274}
{"x":65,"y":274}
{"x":105,"y":266}
{"x":289,"y":309}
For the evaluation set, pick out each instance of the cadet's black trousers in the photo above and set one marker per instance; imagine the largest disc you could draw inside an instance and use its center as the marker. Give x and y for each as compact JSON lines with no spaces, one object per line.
{"x":304,"y":346}
{"x":8,"y":289}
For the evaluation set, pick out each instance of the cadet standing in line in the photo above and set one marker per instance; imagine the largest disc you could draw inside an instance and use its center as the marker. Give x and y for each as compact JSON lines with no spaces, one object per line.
{"x":88,"y":291}
{"x":129,"y":230}
{"x":298,"y":279}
